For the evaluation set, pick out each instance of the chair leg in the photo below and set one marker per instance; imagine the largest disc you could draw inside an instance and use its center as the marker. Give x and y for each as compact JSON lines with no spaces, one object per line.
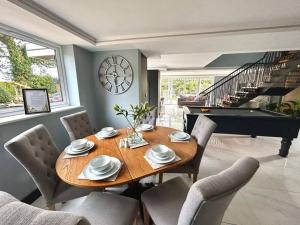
{"x":190,"y":175}
{"x":51,"y":207}
{"x":146,"y":216}
{"x":160,"y":178}
{"x":195,"y":177}
{"x":136,"y":221}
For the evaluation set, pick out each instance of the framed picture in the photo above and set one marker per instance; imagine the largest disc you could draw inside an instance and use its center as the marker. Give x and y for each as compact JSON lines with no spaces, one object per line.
{"x":36,"y":100}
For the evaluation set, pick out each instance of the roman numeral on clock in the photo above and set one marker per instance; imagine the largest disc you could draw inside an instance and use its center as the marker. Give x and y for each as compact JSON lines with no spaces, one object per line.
{"x":127,"y":82}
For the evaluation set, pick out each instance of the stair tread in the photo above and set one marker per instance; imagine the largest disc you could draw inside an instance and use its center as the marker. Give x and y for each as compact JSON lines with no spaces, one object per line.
{"x":242,"y":92}
{"x":250,"y":87}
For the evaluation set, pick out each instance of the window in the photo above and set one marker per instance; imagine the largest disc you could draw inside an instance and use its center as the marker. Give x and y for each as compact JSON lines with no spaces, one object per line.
{"x":173,"y":86}
{"x":28,"y":63}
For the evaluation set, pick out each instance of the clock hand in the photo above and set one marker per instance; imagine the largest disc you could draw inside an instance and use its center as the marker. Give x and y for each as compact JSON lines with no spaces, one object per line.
{"x":116,"y":80}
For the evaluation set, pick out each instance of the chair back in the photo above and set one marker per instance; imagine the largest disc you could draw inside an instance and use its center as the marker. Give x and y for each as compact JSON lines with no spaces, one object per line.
{"x":202,"y":131}
{"x":12,"y":211}
{"x":208,"y":199}
{"x":149,"y":118}
{"x":35,"y":150}
{"x":77,"y":125}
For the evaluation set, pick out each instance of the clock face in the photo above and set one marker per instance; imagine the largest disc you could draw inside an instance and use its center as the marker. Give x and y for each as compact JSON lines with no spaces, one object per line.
{"x":115,"y":74}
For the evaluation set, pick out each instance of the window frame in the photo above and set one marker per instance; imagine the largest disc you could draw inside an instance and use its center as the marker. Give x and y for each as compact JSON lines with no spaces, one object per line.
{"x":4,"y":29}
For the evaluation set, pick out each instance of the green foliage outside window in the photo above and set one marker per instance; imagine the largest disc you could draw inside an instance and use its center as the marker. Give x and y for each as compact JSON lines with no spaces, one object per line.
{"x":191,"y":86}
{"x":9,"y":87}
{"x":20,"y":62}
{"x":5,"y":96}
{"x":42,"y":82}
{"x":178,"y":86}
{"x":205,"y":83}
{"x":19,"y":70}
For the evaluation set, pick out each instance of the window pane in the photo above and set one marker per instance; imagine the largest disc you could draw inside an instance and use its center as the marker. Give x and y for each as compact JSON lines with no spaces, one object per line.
{"x":174,"y":86}
{"x":205,"y":83}
{"x":26,"y":65}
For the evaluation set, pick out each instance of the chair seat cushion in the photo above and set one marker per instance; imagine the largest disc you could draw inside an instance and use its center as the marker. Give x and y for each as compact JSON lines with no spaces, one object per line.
{"x":164,"y":202}
{"x":65,"y":192}
{"x":103,"y":208}
{"x":14,"y":212}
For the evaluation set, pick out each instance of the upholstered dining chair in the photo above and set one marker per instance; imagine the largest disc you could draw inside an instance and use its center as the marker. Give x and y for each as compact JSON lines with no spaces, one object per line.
{"x":202,"y":131}
{"x":205,"y":203}
{"x":90,"y":210}
{"x":35,"y":150}
{"x":149,"y":118}
{"x":77,"y":125}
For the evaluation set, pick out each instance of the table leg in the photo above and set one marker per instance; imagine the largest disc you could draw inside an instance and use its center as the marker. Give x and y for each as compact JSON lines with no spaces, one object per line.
{"x":285,"y":146}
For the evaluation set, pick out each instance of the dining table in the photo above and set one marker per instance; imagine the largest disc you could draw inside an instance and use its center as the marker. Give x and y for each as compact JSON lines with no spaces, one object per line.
{"x":134,"y":167}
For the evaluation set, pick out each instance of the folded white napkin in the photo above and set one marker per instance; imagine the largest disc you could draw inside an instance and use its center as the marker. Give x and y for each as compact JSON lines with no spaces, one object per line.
{"x":179,"y":141}
{"x":155,"y":165}
{"x":112,"y":178}
{"x":68,"y":156}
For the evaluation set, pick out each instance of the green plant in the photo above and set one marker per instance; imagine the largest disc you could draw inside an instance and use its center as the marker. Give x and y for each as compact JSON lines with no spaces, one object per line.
{"x":5,"y":96}
{"x":45,"y":81}
{"x":135,"y":113}
{"x":20,"y":62}
{"x":272,"y":106}
{"x":9,"y":87}
{"x":290,"y":107}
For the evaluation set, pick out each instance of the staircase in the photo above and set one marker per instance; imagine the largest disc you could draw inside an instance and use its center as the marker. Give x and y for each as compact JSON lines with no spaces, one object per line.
{"x":276,"y":73}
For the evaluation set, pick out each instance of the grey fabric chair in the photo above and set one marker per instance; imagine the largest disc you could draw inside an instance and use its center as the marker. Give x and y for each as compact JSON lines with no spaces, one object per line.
{"x":35,"y":150}
{"x":202,"y":131}
{"x":149,"y":118}
{"x":204,"y":203}
{"x":91,"y":210}
{"x":77,"y":125}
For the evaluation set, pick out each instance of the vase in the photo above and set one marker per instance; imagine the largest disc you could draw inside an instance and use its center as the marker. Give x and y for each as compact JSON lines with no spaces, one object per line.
{"x":133,"y":136}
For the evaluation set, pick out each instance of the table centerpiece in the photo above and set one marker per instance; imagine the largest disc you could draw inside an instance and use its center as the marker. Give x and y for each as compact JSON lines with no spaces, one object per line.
{"x":133,"y":117}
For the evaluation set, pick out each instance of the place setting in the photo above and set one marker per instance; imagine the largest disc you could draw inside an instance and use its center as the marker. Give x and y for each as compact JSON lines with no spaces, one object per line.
{"x":102,"y":167}
{"x":145,"y":127}
{"x":179,"y":136}
{"x":78,"y":148}
{"x":107,"y":132}
{"x":160,"y":155}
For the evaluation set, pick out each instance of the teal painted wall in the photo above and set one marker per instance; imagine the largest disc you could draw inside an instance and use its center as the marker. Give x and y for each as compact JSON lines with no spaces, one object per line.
{"x":14,"y":178}
{"x":78,"y":66}
{"x":104,"y":100}
{"x":85,"y":91}
{"x":86,"y":84}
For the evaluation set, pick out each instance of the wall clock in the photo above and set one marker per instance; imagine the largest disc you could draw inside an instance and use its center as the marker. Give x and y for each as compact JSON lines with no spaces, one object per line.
{"x":115,"y":74}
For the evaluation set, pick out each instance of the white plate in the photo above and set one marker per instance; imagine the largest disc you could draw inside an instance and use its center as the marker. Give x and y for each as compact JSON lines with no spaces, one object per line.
{"x":69,"y":150}
{"x":102,"y":135}
{"x":98,"y":173}
{"x":171,"y":158}
{"x":115,"y":168}
{"x":179,"y":135}
{"x":80,"y":149}
{"x":145,"y":127}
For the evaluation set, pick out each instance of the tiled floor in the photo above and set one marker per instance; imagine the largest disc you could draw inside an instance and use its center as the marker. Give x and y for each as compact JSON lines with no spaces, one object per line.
{"x":273,"y":195}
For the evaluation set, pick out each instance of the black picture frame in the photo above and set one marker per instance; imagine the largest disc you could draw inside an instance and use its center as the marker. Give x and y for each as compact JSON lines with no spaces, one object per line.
{"x":44,"y":99}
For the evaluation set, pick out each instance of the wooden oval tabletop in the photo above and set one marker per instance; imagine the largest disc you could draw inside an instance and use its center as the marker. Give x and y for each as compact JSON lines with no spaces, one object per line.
{"x":134,"y":166}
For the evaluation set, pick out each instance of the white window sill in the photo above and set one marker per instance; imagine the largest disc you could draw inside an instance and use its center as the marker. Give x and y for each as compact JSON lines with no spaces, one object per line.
{"x":20,"y":117}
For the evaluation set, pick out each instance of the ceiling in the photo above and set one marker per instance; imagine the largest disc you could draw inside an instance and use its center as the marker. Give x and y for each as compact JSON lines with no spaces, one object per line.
{"x":171,"y":33}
